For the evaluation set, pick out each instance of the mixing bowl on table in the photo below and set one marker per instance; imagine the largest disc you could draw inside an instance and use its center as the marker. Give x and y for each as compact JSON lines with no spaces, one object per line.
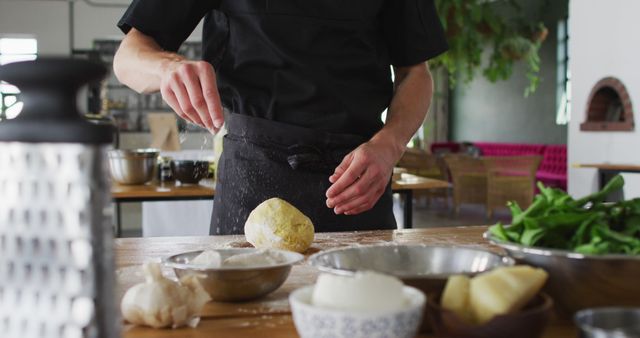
{"x":229,"y":283}
{"x":578,"y":281}
{"x":426,"y":267}
{"x":189,"y":171}
{"x":608,"y":322}
{"x":132,"y":166}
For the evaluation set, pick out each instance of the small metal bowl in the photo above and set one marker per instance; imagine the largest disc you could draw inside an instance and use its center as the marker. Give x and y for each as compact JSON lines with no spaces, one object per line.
{"x":234,"y":284}
{"x":578,"y":281}
{"x":188,"y":171}
{"x":134,"y":166}
{"x":426,"y":267}
{"x":609,"y":322}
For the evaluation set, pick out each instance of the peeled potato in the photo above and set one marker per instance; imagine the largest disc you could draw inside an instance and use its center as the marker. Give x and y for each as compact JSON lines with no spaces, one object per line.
{"x":504,"y":290}
{"x":276,"y":224}
{"x":455,"y":297}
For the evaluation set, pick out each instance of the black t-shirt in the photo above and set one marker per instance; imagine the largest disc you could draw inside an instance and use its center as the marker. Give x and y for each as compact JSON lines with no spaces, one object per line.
{"x":322,"y":64}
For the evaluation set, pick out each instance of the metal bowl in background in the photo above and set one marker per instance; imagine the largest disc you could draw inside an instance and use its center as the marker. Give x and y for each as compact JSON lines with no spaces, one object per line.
{"x":426,"y":267}
{"x":232,"y":284}
{"x":578,"y":281}
{"x":133,"y":166}
{"x":608,"y":323}
{"x":188,"y":171}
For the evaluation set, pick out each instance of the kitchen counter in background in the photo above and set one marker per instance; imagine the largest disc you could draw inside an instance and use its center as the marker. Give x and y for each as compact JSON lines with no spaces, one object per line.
{"x":195,"y":219}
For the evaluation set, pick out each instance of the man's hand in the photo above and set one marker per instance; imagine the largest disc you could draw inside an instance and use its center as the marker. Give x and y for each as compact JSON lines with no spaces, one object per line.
{"x":189,"y":87}
{"x":362,"y":177}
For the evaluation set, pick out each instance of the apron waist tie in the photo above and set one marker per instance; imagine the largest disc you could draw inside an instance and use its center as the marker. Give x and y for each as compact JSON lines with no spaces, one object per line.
{"x":301,"y":148}
{"x":311,"y":158}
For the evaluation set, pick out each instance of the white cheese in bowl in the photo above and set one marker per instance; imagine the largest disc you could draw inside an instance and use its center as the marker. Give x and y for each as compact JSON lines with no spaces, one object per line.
{"x":364,"y":292}
{"x":264,"y":257}
{"x":208,"y":258}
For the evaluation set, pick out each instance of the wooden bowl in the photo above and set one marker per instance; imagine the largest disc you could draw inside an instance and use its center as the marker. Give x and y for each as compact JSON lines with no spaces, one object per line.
{"x":529,"y":322}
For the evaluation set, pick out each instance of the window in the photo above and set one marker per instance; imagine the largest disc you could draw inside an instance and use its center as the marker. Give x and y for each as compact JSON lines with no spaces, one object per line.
{"x":13,"y":50}
{"x":563,"y":114}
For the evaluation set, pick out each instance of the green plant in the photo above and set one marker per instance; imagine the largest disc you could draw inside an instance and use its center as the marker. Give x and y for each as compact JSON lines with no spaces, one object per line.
{"x":473,"y":26}
{"x":587,"y":225}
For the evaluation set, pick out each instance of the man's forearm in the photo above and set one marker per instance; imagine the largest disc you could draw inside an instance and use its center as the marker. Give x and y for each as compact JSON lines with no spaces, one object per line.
{"x":140,"y":62}
{"x":408,"y":109}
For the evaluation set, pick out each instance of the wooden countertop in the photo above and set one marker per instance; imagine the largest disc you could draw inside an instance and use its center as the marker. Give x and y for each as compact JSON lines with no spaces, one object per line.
{"x":206,"y":188}
{"x":414,"y":182}
{"x":270,"y":316}
{"x":610,"y":166}
{"x":164,"y":190}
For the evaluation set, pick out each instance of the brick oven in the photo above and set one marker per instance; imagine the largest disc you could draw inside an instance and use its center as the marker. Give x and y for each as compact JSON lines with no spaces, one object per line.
{"x":609,"y":107}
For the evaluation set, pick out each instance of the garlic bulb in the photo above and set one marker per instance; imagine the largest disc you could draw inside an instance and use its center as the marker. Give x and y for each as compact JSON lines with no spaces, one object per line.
{"x":160,"y":302}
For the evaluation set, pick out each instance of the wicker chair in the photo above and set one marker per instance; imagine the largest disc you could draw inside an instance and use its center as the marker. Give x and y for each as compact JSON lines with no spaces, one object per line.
{"x":510,"y":178}
{"x":469,"y":178}
{"x":421,"y":163}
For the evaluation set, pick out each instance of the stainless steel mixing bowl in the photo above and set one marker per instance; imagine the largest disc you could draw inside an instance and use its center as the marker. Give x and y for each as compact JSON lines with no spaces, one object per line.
{"x":578,"y":281}
{"x":425,"y":267}
{"x":609,"y":323}
{"x":135,"y":166}
{"x":231,"y":284}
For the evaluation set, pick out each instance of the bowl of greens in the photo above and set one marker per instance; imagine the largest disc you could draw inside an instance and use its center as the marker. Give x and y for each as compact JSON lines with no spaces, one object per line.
{"x":590,"y":248}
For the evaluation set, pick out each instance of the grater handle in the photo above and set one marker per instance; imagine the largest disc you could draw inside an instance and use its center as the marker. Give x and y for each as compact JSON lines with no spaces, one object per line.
{"x":49,"y":88}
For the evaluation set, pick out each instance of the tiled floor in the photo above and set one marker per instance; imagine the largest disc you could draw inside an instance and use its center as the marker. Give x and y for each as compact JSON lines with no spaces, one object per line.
{"x":437,"y":214}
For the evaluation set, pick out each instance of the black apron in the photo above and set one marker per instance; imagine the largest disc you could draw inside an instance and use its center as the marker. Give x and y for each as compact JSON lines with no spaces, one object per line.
{"x":262,"y":159}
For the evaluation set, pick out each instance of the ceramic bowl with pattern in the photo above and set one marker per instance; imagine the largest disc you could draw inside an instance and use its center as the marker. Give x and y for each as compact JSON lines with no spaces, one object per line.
{"x":313,"y":321}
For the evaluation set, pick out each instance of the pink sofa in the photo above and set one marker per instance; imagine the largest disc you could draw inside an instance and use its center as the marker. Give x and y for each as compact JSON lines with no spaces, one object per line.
{"x":552,"y":170}
{"x":509,"y":149}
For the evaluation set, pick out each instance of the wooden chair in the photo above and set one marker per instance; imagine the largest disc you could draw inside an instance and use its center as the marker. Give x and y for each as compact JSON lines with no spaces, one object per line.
{"x":421,"y":163}
{"x":510,"y":178}
{"x":469,"y":178}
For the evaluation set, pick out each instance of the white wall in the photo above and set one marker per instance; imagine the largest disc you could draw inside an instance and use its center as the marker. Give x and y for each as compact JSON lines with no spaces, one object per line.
{"x":49,"y":22}
{"x":604,"y":41}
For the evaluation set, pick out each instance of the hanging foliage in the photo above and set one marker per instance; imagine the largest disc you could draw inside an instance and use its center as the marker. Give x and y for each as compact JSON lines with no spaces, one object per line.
{"x":472,"y":26}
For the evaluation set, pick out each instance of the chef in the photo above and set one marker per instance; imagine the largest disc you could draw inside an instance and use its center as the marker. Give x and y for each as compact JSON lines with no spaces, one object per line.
{"x":300,"y":86}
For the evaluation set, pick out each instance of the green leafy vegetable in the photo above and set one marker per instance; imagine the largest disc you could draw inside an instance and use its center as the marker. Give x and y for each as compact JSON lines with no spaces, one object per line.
{"x":586,"y":225}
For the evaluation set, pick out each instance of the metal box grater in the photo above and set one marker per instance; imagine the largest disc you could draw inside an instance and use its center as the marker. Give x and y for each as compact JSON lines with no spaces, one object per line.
{"x":56,"y":237}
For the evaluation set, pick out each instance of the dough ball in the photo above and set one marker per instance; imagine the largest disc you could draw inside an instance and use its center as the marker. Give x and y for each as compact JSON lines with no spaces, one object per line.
{"x":279,"y":225}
